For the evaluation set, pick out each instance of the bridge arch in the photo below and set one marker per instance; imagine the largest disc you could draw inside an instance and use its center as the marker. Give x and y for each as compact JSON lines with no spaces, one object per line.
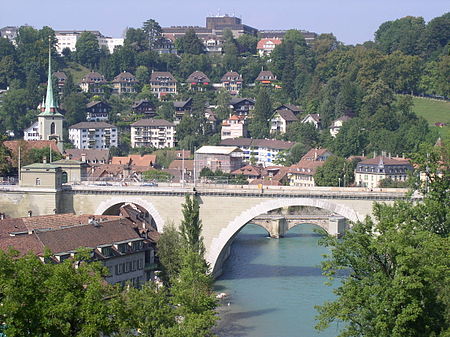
{"x":227,"y":234}
{"x":148,"y":206}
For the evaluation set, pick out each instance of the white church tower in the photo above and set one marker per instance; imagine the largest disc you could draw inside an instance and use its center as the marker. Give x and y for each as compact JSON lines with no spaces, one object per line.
{"x":50,"y":121}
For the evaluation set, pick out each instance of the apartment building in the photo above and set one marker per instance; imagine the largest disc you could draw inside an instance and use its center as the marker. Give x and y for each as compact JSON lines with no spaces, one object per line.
{"x":93,"y":135}
{"x":157,"y":133}
{"x":259,"y":151}
{"x":93,"y":82}
{"x":234,"y":127}
{"x":232,"y":82}
{"x":163,"y":83}
{"x":69,"y":38}
{"x":124,"y":83}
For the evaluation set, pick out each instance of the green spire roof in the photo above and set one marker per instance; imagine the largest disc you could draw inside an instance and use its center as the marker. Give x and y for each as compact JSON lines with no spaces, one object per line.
{"x":51,"y":109}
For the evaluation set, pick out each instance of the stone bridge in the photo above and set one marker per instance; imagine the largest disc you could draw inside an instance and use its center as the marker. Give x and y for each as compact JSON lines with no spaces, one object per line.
{"x":224,"y":210}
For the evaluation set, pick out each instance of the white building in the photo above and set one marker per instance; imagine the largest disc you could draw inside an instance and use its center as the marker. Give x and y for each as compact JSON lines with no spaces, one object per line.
{"x":259,"y":151}
{"x":157,"y":133}
{"x":69,"y":38}
{"x":313,"y":119}
{"x":280,"y":121}
{"x":337,"y":124}
{"x":32,"y":132}
{"x":234,"y":127}
{"x":93,"y":135}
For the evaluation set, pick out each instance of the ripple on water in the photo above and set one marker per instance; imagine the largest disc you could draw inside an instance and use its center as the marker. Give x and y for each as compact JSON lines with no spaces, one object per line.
{"x":274,"y":285}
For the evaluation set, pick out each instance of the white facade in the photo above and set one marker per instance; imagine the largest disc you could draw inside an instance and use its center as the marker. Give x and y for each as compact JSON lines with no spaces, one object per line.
{"x":93,"y":135}
{"x":233,"y":127}
{"x":153,"y":133}
{"x":68,"y":39}
{"x":32,"y":132}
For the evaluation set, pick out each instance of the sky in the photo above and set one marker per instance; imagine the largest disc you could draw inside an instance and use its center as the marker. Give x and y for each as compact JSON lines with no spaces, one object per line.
{"x":351,"y":21}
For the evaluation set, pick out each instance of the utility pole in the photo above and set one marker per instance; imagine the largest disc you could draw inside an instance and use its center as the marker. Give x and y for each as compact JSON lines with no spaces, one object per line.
{"x":182,"y":168}
{"x":18,"y":165}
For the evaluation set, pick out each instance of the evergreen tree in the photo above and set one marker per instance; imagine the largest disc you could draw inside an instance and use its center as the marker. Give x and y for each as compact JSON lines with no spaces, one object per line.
{"x":191,"y":226}
{"x":189,"y":43}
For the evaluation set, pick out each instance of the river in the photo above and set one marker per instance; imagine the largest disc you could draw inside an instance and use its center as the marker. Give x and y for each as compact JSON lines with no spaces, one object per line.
{"x":274,"y":285}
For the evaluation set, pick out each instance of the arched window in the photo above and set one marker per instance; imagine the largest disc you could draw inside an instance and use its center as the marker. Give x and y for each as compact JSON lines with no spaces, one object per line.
{"x":64,"y":177}
{"x":52,"y":128}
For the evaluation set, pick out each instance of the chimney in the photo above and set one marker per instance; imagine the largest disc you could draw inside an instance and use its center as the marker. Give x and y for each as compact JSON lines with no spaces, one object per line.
{"x":44,"y":160}
{"x":67,"y":156}
{"x":315,"y":155}
{"x":30,"y":213}
{"x":83,"y":157}
{"x":2,"y":216}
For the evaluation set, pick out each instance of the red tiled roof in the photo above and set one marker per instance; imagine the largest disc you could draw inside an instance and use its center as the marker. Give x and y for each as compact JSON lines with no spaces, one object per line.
{"x":248,"y":170}
{"x":91,"y":154}
{"x":72,"y":238}
{"x":135,"y":160}
{"x":198,"y":77}
{"x":262,"y":42}
{"x":156,"y":75}
{"x":313,"y":154}
{"x":25,"y":145}
{"x":231,"y":76}
{"x":23,"y":244}
{"x":178,"y":164}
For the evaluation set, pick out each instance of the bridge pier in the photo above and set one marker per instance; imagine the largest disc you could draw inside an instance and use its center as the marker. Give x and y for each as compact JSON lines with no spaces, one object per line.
{"x":337,"y":225}
{"x":276,"y":226}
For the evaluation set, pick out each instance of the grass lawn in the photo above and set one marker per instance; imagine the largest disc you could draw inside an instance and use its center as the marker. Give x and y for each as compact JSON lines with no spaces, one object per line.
{"x":434,"y":111}
{"x":77,"y":71}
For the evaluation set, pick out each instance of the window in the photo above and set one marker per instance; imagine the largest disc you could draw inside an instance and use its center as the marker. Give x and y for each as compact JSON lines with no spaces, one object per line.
{"x":38,"y":181}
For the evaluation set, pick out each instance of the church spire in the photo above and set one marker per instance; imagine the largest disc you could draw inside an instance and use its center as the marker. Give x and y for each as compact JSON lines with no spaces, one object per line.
{"x":50,"y":106}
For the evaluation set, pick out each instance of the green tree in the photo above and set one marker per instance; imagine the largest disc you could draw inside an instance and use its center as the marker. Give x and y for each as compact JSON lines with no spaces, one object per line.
{"x":136,"y":38}
{"x":5,"y":155}
{"x":38,"y":155}
{"x":189,"y":43}
{"x":396,"y":279}
{"x":75,"y":106}
{"x":335,"y":172}
{"x":170,"y":253}
{"x":153,"y":32}
{"x":88,"y":50}
{"x":68,"y":302}
{"x":191,"y":226}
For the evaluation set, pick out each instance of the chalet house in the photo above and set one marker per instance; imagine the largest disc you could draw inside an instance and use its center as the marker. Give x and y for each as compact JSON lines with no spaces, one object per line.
{"x":213,"y":45}
{"x":251,"y":172}
{"x":242,"y":106}
{"x":97,"y":111}
{"x":295,"y":109}
{"x":234,"y":127}
{"x":165,"y":46}
{"x":370,"y":172}
{"x":267,"y":45}
{"x":314,"y":119}
{"x":280,"y":121}
{"x":157,"y":133}
{"x":144,"y":107}
{"x":266,"y":77}
{"x":232,"y":82}
{"x":336,"y":125}
{"x":182,"y":107}
{"x":93,"y":82}
{"x":124,"y":83}
{"x":61,"y":78}
{"x":198,"y":81}
{"x":163,"y":83}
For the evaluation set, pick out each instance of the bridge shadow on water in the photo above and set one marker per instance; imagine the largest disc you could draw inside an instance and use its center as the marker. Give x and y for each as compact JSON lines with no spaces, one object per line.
{"x":228,"y":325}
{"x":264,"y":271}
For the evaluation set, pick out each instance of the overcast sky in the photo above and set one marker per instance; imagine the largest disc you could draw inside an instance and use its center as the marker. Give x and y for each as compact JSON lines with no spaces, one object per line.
{"x":351,"y":21}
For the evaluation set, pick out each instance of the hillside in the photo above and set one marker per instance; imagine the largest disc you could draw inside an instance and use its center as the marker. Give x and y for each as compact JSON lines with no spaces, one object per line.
{"x":434,"y":111}
{"x":77,"y":71}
